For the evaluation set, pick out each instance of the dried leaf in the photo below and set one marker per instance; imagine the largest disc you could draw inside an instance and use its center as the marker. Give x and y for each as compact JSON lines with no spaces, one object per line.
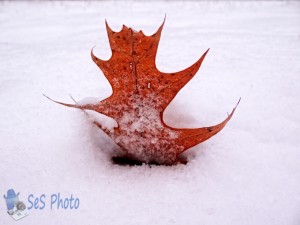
{"x":140,"y":95}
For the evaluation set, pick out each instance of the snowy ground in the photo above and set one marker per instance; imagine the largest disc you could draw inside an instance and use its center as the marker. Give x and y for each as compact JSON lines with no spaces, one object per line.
{"x":247,"y":174}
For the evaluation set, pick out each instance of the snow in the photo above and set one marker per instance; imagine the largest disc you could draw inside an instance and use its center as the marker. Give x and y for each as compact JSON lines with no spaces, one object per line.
{"x":87,"y":101}
{"x":249,"y":173}
{"x":142,"y":133}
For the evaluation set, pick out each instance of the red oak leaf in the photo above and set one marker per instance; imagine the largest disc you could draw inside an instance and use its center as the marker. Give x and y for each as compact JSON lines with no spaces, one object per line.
{"x":141,"y":93}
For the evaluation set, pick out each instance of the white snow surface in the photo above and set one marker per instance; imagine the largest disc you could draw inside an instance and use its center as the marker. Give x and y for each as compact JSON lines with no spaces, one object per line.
{"x":247,"y":174}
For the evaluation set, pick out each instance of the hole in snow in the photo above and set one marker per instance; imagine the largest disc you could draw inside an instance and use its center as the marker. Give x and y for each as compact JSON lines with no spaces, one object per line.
{"x":126,"y":161}
{"x":123,"y":161}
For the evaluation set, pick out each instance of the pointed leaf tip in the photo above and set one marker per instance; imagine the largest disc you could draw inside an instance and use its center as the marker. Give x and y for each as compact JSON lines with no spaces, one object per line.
{"x":99,"y":62}
{"x":108,"y":29}
{"x":159,"y":30}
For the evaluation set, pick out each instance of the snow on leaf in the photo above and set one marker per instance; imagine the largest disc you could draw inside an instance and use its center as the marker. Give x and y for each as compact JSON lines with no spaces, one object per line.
{"x":140,"y":95}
